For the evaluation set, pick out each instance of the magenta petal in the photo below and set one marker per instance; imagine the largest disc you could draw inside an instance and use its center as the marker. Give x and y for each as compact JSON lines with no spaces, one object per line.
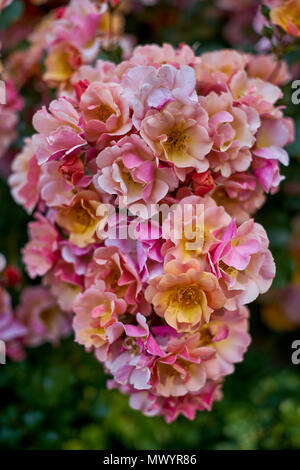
{"x":273,"y":153}
{"x":153,"y":348}
{"x":131,"y":160}
{"x":145,"y":172}
{"x":135,"y":331}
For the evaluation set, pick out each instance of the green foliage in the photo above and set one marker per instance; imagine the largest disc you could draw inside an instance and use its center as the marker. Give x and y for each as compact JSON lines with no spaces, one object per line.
{"x":196,"y":24}
{"x":57,"y":399}
{"x":266,"y":11}
{"x":267,"y":32}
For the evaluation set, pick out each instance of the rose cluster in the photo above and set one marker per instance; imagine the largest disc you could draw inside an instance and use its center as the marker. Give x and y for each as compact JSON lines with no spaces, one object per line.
{"x":143,"y":178}
{"x":62,"y":40}
{"x":245,"y":22}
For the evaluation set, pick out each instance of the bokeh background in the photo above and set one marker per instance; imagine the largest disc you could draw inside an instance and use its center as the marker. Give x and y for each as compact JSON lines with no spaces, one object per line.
{"x":56,"y":398}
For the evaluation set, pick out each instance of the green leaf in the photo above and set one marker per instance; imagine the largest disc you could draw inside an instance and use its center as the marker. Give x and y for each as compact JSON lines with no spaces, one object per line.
{"x":11,"y":14}
{"x":267,"y":32}
{"x":266,"y":11}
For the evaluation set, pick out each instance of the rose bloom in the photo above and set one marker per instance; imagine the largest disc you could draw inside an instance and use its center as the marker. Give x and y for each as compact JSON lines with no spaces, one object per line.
{"x":24,"y":180}
{"x":176,"y":375}
{"x":151,"y":54}
{"x":232,"y":130}
{"x":203,"y":183}
{"x":105,"y":111}
{"x":82,"y":218}
{"x":64,"y":283}
{"x":147,"y":87}
{"x":178,"y":134}
{"x":44,"y":320}
{"x":58,"y":131}
{"x":271,"y":137}
{"x":227,"y":334}
{"x":241,"y":195}
{"x":117,"y":270}
{"x":129,"y":169}
{"x":190,"y":228}
{"x":243,"y":263}
{"x":219,"y":66}
{"x":103,"y":71}
{"x":40,"y":253}
{"x":185,"y":296}
{"x":255,"y":94}
{"x":55,"y":189}
{"x":72,"y":39}
{"x":131,"y":353}
{"x":209,"y":353}
{"x":62,"y":62}
{"x":151,"y":404}
{"x":265,"y":66}
{"x":287,"y":16}
{"x":96,"y":310}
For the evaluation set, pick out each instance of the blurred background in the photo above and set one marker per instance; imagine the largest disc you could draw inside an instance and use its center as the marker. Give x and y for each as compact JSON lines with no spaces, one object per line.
{"x":56,"y":398}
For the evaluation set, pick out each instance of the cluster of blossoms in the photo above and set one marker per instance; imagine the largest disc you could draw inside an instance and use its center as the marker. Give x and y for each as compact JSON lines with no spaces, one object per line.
{"x":37,"y":319}
{"x":72,"y":38}
{"x":65,"y":39}
{"x":285,"y":13}
{"x":158,"y":295}
{"x":247,"y":19}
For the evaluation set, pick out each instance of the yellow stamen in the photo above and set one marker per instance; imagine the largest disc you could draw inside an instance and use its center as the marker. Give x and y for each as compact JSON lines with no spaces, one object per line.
{"x":177,"y":140}
{"x":105,"y":112}
{"x":188,"y":296}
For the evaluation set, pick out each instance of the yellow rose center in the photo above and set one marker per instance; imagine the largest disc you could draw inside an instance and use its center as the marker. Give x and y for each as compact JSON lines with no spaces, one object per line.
{"x":226,"y":69}
{"x":48,"y":315}
{"x":177,"y":140}
{"x":168,"y":371}
{"x":205,"y":335}
{"x":80,"y":219}
{"x":131,"y":345}
{"x":105,"y":112}
{"x":287,"y":13}
{"x":188,"y":296}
